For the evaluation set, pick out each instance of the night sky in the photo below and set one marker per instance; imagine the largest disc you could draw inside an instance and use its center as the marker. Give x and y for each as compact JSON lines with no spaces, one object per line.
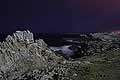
{"x":59,"y":15}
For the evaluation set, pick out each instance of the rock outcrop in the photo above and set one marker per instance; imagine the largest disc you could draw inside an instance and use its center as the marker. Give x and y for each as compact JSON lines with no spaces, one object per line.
{"x":20,"y":53}
{"x":90,"y":44}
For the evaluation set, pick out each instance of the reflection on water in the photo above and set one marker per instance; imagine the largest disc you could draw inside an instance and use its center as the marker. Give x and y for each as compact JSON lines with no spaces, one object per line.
{"x":65,"y":49}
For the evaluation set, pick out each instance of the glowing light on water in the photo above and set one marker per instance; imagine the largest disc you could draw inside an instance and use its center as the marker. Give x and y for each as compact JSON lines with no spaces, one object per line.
{"x":65,"y":49}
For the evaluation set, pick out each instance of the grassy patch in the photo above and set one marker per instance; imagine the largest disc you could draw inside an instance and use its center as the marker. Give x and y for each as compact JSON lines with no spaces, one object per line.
{"x":106,"y":66}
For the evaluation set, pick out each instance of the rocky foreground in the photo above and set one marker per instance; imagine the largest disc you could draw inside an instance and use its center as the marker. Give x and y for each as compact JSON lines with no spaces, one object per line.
{"x":23,"y":58}
{"x":21,"y":53}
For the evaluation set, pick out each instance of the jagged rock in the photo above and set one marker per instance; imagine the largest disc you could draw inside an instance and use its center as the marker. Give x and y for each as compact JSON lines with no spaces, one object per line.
{"x":20,"y":53}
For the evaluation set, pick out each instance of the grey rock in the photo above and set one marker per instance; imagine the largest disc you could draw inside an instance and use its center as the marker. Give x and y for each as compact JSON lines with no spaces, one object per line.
{"x":20,"y":53}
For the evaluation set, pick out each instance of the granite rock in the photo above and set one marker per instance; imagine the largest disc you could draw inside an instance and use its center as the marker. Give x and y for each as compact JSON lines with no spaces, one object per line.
{"x":20,"y":53}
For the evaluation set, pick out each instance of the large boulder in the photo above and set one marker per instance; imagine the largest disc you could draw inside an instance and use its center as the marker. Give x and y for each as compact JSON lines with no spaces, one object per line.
{"x":20,"y":53}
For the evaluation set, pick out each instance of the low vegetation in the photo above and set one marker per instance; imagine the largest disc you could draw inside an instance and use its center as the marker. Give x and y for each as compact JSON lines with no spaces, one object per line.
{"x":104,"y":67}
